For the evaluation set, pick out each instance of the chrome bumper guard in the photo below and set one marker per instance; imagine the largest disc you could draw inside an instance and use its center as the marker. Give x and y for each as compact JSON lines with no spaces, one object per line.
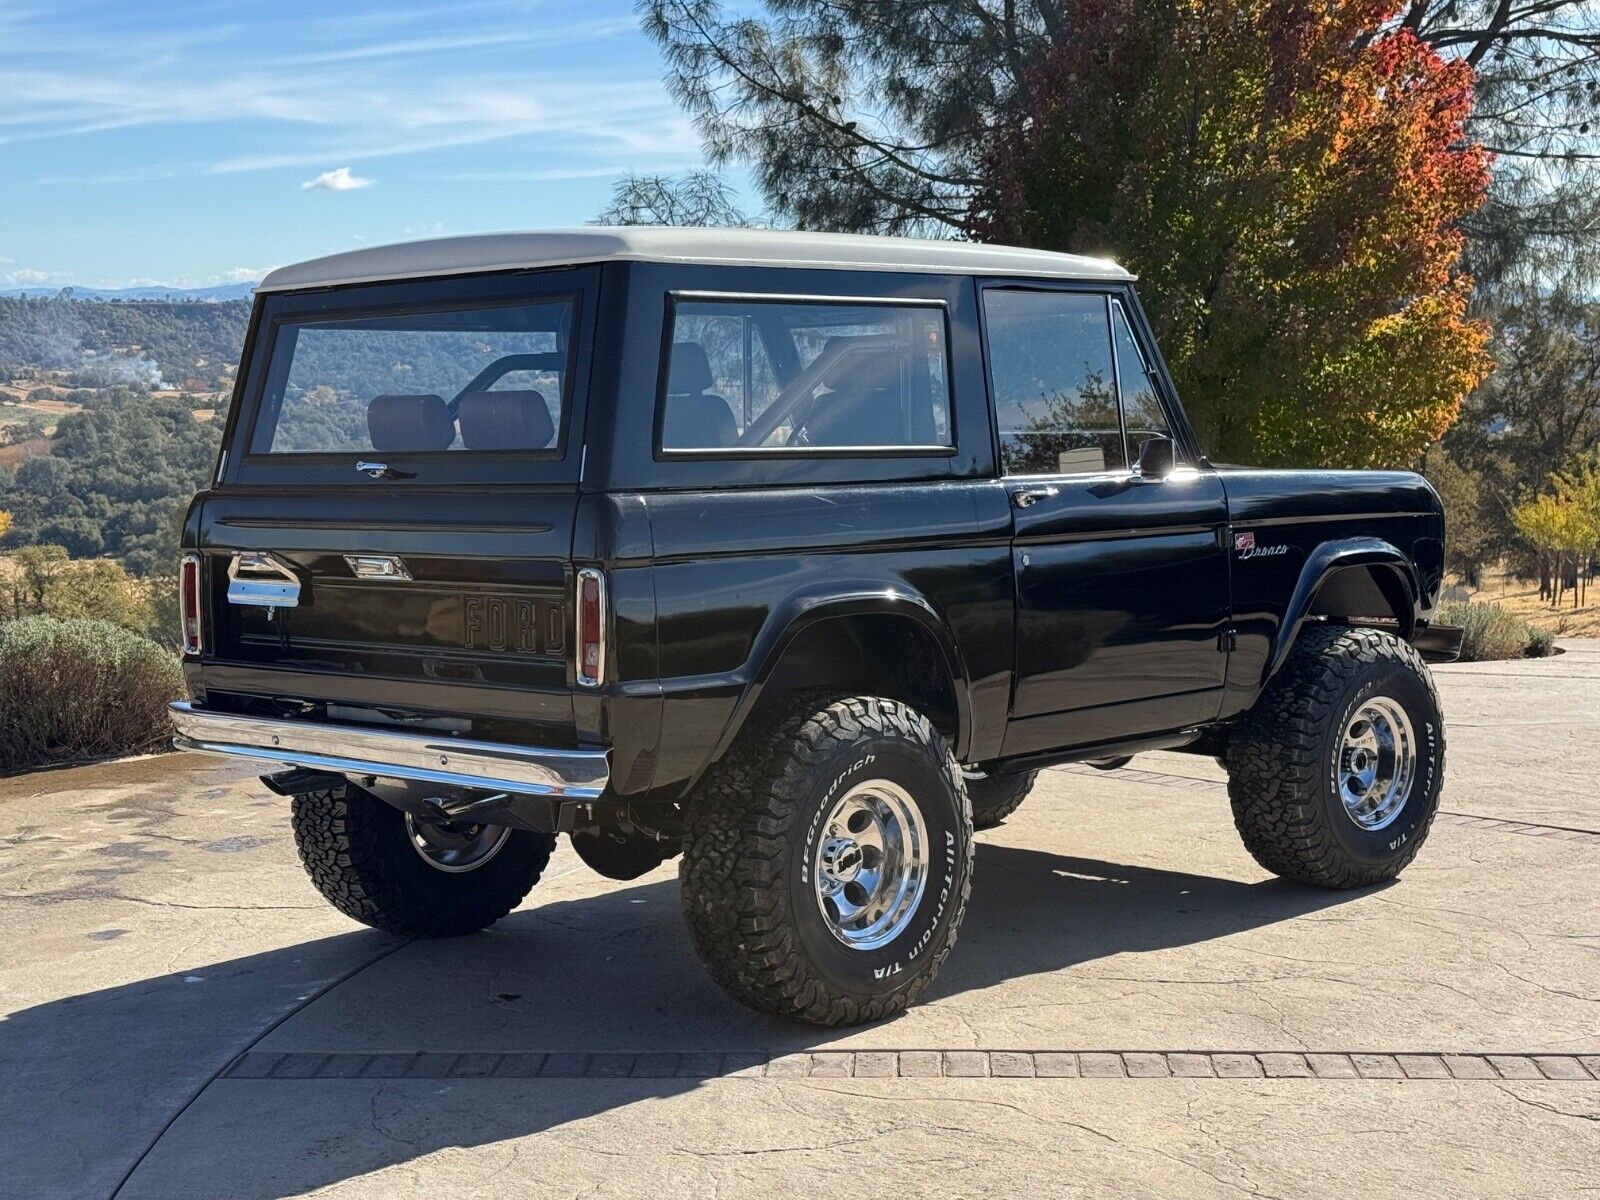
{"x":428,"y":758}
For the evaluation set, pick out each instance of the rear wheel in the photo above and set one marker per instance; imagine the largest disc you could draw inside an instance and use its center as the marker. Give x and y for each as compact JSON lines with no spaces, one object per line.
{"x":828,"y":861}
{"x":1335,"y":774}
{"x":996,"y":797}
{"x":412,"y":875}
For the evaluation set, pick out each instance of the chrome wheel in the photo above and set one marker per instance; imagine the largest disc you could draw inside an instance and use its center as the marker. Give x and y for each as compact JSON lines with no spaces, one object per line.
{"x":454,"y":846}
{"x":871,"y":864}
{"x":1377,"y":763}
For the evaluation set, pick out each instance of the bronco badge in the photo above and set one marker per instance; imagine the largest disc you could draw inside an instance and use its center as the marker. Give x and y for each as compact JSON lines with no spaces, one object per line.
{"x":1245,"y":544}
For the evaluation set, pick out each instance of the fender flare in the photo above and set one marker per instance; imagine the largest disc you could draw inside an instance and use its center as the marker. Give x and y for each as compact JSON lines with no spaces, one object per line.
{"x":1326,"y":561}
{"x":807,"y":608}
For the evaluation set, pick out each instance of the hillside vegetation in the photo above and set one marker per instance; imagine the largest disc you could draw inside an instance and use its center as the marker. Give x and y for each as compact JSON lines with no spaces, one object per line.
{"x":106,"y":420}
{"x":192,"y":347}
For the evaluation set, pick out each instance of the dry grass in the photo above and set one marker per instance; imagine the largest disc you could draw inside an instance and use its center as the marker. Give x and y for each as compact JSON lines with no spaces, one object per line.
{"x":1521,"y":599}
{"x":14,"y":456}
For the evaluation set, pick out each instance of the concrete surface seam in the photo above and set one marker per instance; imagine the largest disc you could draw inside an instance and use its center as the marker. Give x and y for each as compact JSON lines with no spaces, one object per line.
{"x":223,"y":1071}
{"x":917,"y":1064}
{"x":1567,"y":833}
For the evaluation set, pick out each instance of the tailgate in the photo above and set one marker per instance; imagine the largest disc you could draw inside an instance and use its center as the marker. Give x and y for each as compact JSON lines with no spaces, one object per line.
{"x":390,"y":537}
{"x":470,"y":617}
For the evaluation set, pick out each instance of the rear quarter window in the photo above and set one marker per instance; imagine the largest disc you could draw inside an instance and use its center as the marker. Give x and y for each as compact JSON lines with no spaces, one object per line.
{"x":762,"y":377}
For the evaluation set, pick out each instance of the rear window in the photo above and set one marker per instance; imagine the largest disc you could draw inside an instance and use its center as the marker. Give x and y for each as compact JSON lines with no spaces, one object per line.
{"x":467,"y":379}
{"x":759,"y":377}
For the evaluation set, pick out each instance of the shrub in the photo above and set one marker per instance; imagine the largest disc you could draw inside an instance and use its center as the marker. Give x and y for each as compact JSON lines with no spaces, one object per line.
{"x":44,"y":581}
{"x":77,"y":690}
{"x":1492,"y":633}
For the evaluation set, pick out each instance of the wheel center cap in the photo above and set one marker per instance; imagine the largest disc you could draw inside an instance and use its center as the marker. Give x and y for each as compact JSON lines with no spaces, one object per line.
{"x":841,"y":858}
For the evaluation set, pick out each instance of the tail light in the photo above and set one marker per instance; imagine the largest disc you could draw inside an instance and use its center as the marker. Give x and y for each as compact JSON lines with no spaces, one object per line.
{"x":189,"y":603}
{"x":591,"y":626}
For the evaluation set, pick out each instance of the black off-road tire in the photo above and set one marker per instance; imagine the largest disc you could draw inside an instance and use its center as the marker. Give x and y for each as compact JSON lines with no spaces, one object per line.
{"x":996,"y":797}
{"x":359,"y":856}
{"x":1282,"y":760}
{"x":754,"y":824}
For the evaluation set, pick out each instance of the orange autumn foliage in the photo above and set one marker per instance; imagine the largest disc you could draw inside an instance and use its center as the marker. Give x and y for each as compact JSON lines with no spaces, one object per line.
{"x":1287,"y":179}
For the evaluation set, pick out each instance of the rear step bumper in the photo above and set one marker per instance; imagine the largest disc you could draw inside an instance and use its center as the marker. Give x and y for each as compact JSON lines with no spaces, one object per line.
{"x":350,"y":750}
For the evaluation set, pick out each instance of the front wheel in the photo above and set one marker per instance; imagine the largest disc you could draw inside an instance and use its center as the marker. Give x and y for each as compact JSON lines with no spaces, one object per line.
{"x":828,"y":861}
{"x":1334,"y":776}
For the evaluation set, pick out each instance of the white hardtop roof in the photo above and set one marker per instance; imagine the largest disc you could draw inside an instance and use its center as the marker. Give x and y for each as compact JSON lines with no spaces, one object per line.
{"x":647,"y":243}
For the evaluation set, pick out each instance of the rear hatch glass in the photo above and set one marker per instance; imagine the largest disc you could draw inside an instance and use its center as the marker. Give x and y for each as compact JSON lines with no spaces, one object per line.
{"x":469,"y":379}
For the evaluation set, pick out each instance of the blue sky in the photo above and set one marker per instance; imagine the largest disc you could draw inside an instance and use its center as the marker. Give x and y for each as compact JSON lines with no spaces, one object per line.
{"x":201,"y":141}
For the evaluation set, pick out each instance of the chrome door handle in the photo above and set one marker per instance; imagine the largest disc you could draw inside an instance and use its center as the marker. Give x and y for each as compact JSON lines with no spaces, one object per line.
{"x":1029,"y":496}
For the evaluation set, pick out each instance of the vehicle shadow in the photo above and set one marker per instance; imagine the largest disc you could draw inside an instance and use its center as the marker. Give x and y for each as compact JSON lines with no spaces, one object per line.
{"x":608,"y":973}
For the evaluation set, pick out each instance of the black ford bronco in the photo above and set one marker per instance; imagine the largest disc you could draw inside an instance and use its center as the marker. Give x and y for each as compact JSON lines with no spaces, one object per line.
{"x":798,"y":555}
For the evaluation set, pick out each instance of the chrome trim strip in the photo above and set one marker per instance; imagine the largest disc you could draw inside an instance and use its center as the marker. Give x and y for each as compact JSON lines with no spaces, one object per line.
{"x":429,"y":758}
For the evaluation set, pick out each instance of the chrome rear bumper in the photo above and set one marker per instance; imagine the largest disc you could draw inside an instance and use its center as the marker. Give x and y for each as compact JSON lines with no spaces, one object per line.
{"x":428,"y":758}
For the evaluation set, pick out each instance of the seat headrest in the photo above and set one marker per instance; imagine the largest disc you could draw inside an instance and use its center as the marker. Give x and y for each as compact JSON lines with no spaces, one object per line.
{"x":698,"y":423}
{"x":409,"y":423}
{"x":509,"y":420}
{"x":690,"y":373}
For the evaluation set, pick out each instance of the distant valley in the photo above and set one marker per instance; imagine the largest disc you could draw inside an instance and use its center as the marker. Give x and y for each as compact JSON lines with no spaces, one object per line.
{"x":221,"y":291}
{"x":108,"y":418}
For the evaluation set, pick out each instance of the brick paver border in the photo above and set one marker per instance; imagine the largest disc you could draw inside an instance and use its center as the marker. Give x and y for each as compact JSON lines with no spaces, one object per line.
{"x":924,"y":1064}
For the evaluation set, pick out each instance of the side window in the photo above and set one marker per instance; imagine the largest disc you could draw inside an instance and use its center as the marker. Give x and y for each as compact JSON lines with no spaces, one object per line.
{"x":1053,"y":381}
{"x":1141,"y":406}
{"x":757,"y":376}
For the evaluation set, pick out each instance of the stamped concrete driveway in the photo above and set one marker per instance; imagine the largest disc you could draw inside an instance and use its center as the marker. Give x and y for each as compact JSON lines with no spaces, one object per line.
{"x":1134,"y":1008}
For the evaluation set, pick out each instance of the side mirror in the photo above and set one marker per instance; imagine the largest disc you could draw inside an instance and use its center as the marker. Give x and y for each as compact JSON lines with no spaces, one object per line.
{"x":1156,"y":458}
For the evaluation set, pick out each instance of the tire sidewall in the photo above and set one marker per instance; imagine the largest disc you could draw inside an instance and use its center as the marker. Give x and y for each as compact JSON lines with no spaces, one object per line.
{"x":1394,"y":841}
{"x":942,"y":804}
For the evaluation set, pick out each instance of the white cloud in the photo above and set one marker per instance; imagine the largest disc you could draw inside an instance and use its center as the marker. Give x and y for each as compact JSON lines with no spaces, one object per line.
{"x":29,"y":277}
{"x":338,"y":180}
{"x":422,"y":85}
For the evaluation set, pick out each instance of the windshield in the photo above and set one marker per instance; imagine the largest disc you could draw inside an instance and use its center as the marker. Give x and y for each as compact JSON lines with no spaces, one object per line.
{"x":467,"y":379}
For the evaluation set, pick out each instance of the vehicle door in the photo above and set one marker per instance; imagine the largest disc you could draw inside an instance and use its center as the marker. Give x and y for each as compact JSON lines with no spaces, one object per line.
{"x":1121,"y":573}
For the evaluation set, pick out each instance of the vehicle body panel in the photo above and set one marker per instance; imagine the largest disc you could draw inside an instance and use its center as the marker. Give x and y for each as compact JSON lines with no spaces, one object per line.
{"x":1302,"y":511}
{"x":1123,"y":607}
{"x":1113,"y":611}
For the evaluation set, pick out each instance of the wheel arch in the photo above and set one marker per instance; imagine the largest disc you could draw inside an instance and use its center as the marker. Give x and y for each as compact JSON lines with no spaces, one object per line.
{"x":871,"y":639}
{"x":1352,"y":581}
